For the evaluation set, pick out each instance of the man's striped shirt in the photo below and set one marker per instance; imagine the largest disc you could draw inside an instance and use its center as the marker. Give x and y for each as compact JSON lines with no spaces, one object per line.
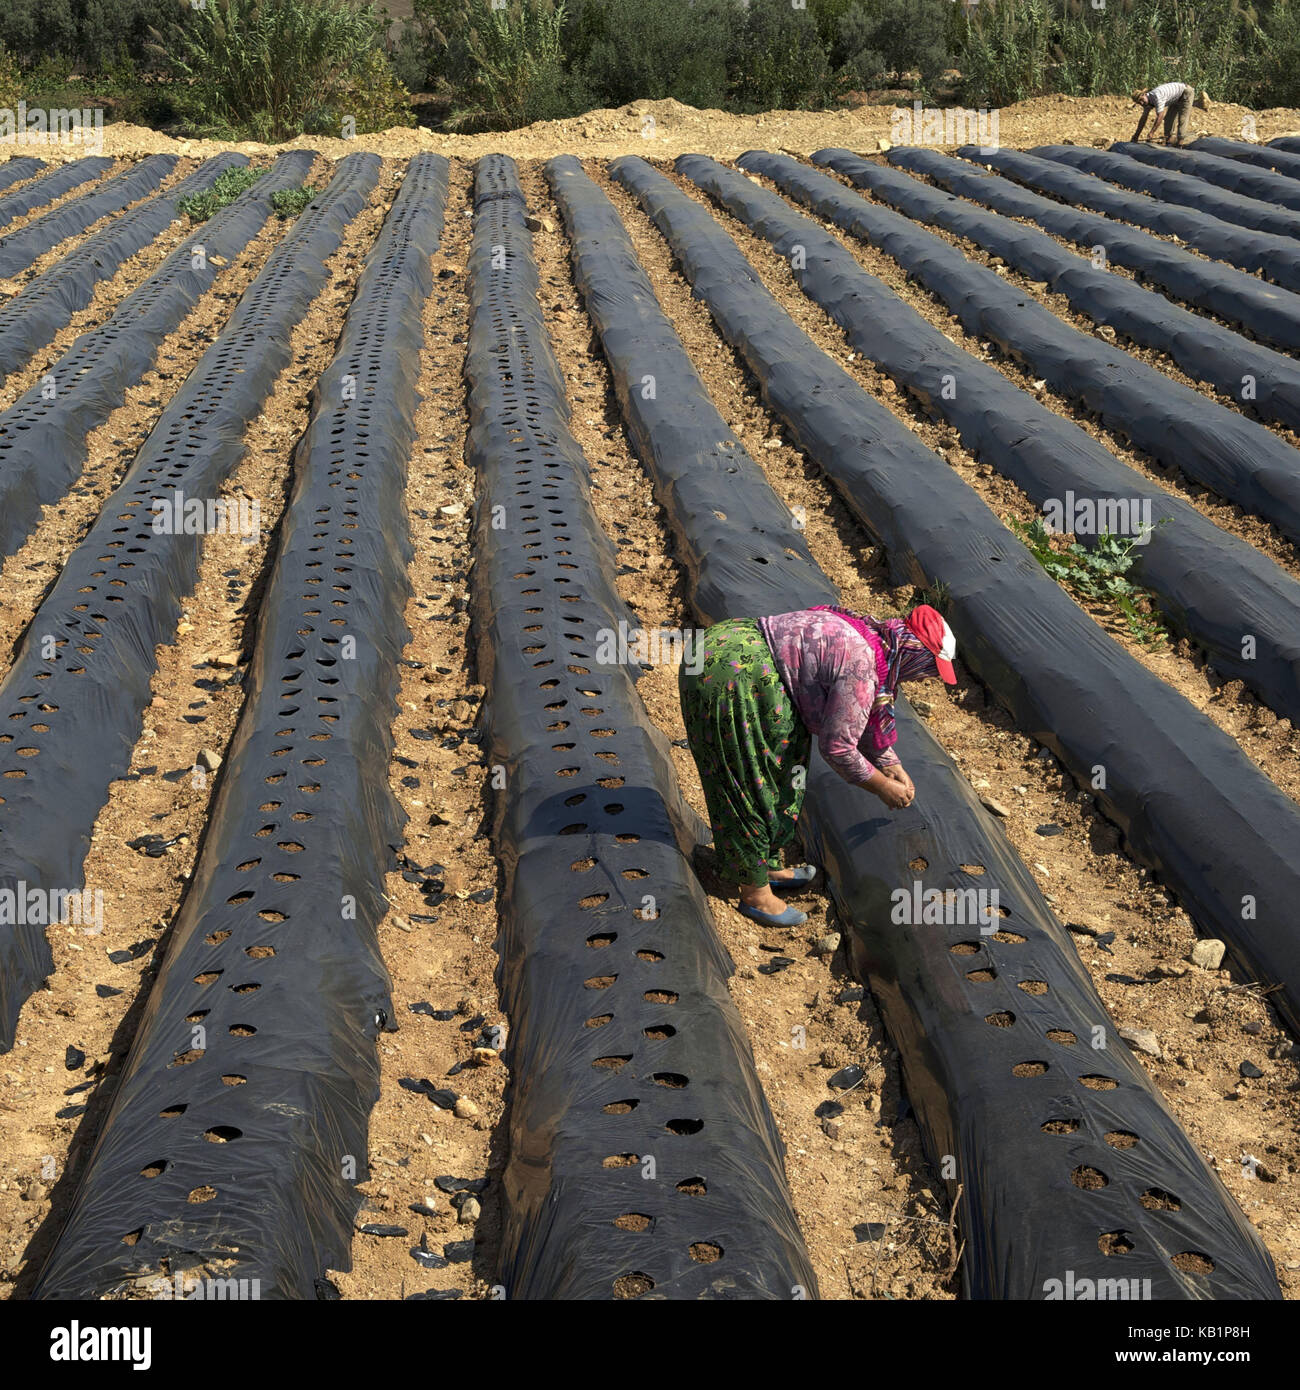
{"x":1161,"y":96}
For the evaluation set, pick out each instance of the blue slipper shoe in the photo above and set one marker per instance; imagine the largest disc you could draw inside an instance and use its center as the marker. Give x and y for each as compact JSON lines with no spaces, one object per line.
{"x":803,"y":876}
{"x":791,"y":917}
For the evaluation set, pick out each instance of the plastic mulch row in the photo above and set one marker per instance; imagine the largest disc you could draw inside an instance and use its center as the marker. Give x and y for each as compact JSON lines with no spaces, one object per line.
{"x":43,"y":435}
{"x":1268,"y":312}
{"x":1203,"y":349}
{"x":74,"y":697}
{"x":18,"y":168}
{"x":56,"y":183}
{"x":1211,"y":584}
{"x":53,"y":184}
{"x":1237,"y":457}
{"x":35,"y":315}
{"x":1265,"y":156}
{"x":1187,"y":798}
{"x":1171,"y":187}
{"x":1274,"y":257}
{"x":643,"y":1159}
{"x":1279,"y":190}
{"x":965,"y":1003}
{"x":253,"y":1073}
{"x":21,"y":248}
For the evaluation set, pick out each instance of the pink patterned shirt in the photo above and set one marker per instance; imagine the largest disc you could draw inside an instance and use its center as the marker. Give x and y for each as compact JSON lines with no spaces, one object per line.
{"x":831,"y":673}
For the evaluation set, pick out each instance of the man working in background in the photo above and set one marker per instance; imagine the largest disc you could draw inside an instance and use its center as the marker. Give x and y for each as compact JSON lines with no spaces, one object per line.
{"x":1175,"y":100}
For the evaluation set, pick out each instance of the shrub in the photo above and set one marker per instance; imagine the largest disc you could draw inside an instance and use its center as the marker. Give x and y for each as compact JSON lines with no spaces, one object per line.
{"x":625,"y":50}
{"x":829,"y":16}
{"x":1004,"y":51}
{"x":894,"y":38}
{"x":11,"y":81}
{"x":410,"y":58}
{"x":89,"y":34}
{"x":1278,"y":65}
{"x":446,"y":25}
{"x":260,"y":67}
{"x":517,"y":65}
{"x":1011,"y":49}
{"x":226,"y":187}
{"x":292,"y":202}
{"x":374,"y":98}
{"x":780,"y":61}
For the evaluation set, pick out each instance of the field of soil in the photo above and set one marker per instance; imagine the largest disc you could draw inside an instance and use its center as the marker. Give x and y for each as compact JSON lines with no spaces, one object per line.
{"x":875,"y":1215}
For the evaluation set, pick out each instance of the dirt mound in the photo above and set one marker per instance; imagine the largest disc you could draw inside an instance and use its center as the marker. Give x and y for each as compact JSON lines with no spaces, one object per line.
{"x":669,"y":127}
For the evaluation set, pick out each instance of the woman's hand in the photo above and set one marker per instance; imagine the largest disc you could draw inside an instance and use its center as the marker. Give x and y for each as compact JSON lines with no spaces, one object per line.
{"x":896,"y":795}
{"x":898,"y":773}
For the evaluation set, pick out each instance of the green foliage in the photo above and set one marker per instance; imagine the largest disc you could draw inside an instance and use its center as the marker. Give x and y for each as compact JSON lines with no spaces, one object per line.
{"x":1279,"y":62}
{"x":11,"y":80}
{"x":937,"y":595}
{"x":1004,"y":51}
{"x":226,"y":187}
{"x":273,"y":68}
{"x":262,"y":67}
{"x":1011,"y":49}
{"x":516,"y":54}
{"x":292,"y":202}
{"x":780,"y":61}
{"x":373,"y":97}
{"x":410,"y":58}
{"x":863,"y":64}
{"x":442,"y":28}
{"x":88,"y":34}
{"x":890,"y":40}
{"x":626,"y":50}
{"x":1098,"y":573}
{"x":828,"y":16}
{"x":1113,"y":50}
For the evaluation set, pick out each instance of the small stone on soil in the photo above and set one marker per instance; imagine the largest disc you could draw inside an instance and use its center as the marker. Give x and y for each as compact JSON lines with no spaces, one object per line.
{"x":1208,"y":954}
